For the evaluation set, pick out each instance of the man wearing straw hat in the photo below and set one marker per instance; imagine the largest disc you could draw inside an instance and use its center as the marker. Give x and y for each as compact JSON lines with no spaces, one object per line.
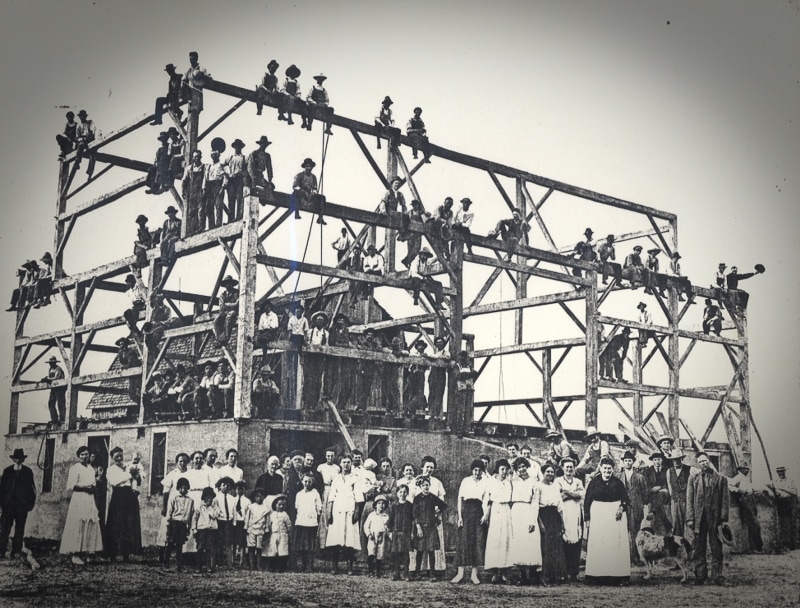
{"x":57,"y":402}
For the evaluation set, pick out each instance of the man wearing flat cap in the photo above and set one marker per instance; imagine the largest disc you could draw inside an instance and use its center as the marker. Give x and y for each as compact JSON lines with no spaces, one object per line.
{"x":17,"y":498}
{"x":172,"y":101}
{"x":707,"y":503}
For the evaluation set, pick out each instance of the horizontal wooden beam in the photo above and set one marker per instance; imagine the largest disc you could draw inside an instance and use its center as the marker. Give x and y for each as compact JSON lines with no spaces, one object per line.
{"x":123,"y":161}
{"x":104,"y":200}
{"x":384,"y":355}
{"x":524,"y":268}
{"x":530,"y":346}
{"x":26,"y":387}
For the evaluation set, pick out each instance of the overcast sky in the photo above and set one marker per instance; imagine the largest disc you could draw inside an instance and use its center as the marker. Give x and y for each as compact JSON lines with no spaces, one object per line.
{"x":689,"y":107}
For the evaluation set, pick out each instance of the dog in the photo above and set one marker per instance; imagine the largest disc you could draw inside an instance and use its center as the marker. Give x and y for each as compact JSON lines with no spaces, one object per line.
{"x":652,"y":548}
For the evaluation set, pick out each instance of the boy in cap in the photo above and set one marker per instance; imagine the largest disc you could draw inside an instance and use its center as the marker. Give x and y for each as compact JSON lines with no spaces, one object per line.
{"x":268,"y":89}
{"x":317,"y":100}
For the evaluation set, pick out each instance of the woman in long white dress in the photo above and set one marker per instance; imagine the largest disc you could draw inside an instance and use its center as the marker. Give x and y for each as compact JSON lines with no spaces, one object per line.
{"x":82,"y":529}
{"x":607,"y":550}
{"x":526,"y":549}
{"x":497,"y":511}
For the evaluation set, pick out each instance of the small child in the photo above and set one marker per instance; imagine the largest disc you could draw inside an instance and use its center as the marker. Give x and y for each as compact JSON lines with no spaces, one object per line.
{"x":240,"y":505}
{"x":400,"y":526}
{"x":375,"y":528}
{"x":308,"y":505}
{"x":427,"y":513}
{"x":180,"y":512}
{"x":205,"y":529}
{"x":279,"y":527}
{"x":227,"y":510}
{"x":255,"y":523}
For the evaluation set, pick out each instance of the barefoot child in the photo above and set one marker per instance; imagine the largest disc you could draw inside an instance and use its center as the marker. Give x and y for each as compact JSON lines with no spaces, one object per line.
{"x":400,"y":526}
{"x":205,"y":530}
{"x":375,"y":528}
{"x":308,"y":505}
{"x":255,"y":523}
{"x":180,"y":512}
{"x":427,"y":512}
{"x":279,"y":528}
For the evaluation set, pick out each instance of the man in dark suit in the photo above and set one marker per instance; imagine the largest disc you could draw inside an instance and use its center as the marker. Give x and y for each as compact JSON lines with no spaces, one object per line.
{"x":658,"y":494}
{"x":17,"y":497}
{"x":638,"y":494}
{"x":707,"y":503}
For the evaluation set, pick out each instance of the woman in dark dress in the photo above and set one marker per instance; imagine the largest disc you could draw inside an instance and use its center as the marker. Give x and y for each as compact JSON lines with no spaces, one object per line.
{"x":551,"y":525}
{"x":605,"y":506}
{"x":123,"y":524}
{"x":471,"y":545}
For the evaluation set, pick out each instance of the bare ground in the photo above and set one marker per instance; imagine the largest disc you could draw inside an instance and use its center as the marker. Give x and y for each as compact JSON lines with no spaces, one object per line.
{"x":753,"y":580}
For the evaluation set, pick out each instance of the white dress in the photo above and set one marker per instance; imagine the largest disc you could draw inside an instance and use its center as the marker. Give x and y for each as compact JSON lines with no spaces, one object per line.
{"x":82,"y":528}
{"x":498,"y":538}
{"x":573,"y":513}
{"x":526,"y":546}
{"x":345,"y":493}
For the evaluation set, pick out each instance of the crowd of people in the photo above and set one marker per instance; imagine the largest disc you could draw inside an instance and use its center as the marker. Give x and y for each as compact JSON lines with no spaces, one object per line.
{"x":527,"y":522}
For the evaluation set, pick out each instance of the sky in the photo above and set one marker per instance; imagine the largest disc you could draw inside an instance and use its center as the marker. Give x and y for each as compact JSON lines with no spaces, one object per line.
{"x":688,"y":107}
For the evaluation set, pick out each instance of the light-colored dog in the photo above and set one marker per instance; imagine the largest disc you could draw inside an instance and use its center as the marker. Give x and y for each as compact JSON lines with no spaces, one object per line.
{"x":652,"y":548}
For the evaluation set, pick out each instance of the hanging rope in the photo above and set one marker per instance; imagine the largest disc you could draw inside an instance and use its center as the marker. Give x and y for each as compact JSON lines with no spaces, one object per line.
{"x":41,"y":460}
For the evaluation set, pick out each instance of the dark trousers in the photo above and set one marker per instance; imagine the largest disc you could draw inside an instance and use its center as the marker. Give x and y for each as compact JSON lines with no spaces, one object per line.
{"x":707,"y":537}
{"x":748,"y":512}
{"x":12,"y":516}
{"x":572,"y":557}
{"x":57,"y":404}
{"x":235,"y":189}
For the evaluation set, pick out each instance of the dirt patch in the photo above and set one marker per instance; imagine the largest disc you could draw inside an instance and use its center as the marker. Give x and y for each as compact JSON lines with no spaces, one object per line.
{"x":753,"y":580}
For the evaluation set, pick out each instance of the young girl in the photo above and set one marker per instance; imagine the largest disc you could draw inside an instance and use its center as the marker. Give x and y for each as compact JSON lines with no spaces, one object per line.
{"x":239,"y":536}
{"x":279,"y":527}
{"x":308,"y":505}
{"x":180,"y":511}
{"x":427,"y":514}
{"x":376,"y":530}
{"x":400,"y":531}
{"x":255,"y":523}
{"x":205,"y":529}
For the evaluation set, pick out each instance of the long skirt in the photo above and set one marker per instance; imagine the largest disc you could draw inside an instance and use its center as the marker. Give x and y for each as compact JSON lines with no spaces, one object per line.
{"x":471,"y":545}
{"x":123,"y":525}
{"x":554,"y":567}
{"x":343,"y":533}
{"x":439,"y":556}
{"x":607,"y":552}
{"x":498,"y":538}
{"x":526,"y":546}
{"x":82,"y":528}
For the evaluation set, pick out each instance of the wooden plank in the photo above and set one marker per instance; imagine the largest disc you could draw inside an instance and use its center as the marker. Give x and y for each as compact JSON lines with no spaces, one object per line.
{"x":686,"y":353}
{"x":698,"y":445}
{"x":340,"y":425}
{"x":229,"y":255}
{"x":487,"y":285}
{"x":527,"y":347}
{"x":369,"y":158}
{"x":526,"y":269}
{"x":220,"y":120}
{"x":535,"y":415}
{"x":723,"y":402}
{"x":122,"y":161}
{"x":660,"y":236}
{"x":535,"y":362}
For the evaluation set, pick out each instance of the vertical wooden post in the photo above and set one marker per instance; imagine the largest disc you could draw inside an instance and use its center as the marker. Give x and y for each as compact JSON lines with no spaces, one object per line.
{"x":522,"y":278}
{"x":744,"y":385}
{"x":592,"y":350}
{"x":76,"y":342}
{"x":189,"y":225}
{"x":547,"y":382}
{"x":674,"y":364}
{"x":459,"y":411}
{"x":638,"y":413}
{"x":389,"y":234}
{"x":247,"y":311}
{"x":61,"y":207}
{"x":153,"y":280}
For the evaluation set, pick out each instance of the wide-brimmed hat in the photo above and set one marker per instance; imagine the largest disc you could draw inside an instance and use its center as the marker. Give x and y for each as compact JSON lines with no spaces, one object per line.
{"x":371,"y":246}
{"x":676,"y":255}
{"x":725,"y":533}
{"x":665,"y":438}
{"x":52,"y":360}
{"x":169,"y":67}
{"x":320,"y":77}
{"x":380,"y":498}
{"x":237,"y":144}
{"x":293,"y":71}
{"x":610,"y":237}
{"x":588,"y":232}
{"x":342,"y":317}
{"x":654,"y":251}
{"x":19,"y":454}
{"x":273,"y":65}
{"x":760,"y":269}
{"x":425,"y":252}
{"x":218,"y":144}
{"x":47,"y":258}
{"x":637,"y":248}
{"x":170,"y":210}
{"x":228,"y":280}
{"x":163,"y":136}
{"x":266,"y":369}
{"x":641,"y":305}
{"x":466,"y":201}
{"x":83,"y":114}
{"x":321,"y":314}
{"x":552,"y":434}
{"x":591,"y":432}
{"x":123,"y":341}
{"x":141,"y":219}
{"x":277,"y":498}
{"x":780,"y":469}
{"x":369,"y":331}
{"x":387,"y":100}
{"x":308,"y":163}
{"x":723,"y":265}
{"x":420,"y":345}
{"x":263,"y":140}
{"x":677,"y":454}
